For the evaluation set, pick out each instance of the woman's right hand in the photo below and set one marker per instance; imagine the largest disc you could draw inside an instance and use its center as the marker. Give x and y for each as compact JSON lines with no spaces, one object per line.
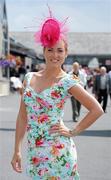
{"x":16,"y":162}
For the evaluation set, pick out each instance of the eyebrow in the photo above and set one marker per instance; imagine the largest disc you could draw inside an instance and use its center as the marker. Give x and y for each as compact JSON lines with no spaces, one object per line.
{"x":60,"y":48}
{"x":57,"y":48}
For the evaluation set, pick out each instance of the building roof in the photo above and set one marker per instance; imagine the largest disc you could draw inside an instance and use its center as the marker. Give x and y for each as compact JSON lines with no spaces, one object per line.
{"x":19,"y":48}
{"x":78,"y":43}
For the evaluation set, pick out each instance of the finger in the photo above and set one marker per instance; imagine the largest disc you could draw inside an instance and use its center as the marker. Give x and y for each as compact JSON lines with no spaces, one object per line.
{"x":15,"y":166}
{"x":65,"y":133}
{"x":19,"y":165}
{"x":55,"y":131}
{"x":59,"y":128}
{"x":55,"y":125}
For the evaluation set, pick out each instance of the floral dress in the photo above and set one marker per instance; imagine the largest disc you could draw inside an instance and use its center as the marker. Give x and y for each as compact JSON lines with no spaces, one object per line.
{"x":50,"y":156}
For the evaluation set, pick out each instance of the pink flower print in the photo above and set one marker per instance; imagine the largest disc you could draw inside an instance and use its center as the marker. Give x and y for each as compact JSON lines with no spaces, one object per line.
{"x":50,"y":106}
{"x":55,"y":151}
{"x":60,"y":146}
{"x":35,"y":108}
{"x":28,"y":127}
{"x":43,"y":103}
{"x":67,"y":165}
{"x":60,"y":84}
{"x":74,"y":170}
{"x":45,"y":159}
{"x":34,"y":117}
{"x":42,"y":171}
{"x":28,"y":93}
{"x":61,"y":104}
{"x":58,"y":178}
{"x":43,"y":118}
{"x":36,"y":160}
{"x":55,"y":94}
{"x":39,"y":142}
{"x":75,"y":167}
{"x":39,"y":100}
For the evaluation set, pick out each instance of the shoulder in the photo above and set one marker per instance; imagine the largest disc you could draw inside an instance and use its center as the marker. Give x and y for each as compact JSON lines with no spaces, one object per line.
{"x":71,"y":77}
{"x":70,"y":81}
{"x":38,"y":74}
{"x":28,"y":74}
{"x":27,"y":78}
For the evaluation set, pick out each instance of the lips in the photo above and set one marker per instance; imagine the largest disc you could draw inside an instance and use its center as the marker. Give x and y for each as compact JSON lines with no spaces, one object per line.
{"x":55,"y":60}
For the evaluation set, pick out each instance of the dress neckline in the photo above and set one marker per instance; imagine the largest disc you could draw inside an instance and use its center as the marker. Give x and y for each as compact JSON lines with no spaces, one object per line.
{"x":48,"y":88}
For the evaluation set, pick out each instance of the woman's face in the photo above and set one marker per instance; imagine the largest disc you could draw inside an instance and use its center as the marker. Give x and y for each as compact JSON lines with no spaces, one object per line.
{"x":56,"y":55}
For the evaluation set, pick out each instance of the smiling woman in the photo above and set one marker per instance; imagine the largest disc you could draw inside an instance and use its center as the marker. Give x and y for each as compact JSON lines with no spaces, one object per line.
{"x":51,"y":151}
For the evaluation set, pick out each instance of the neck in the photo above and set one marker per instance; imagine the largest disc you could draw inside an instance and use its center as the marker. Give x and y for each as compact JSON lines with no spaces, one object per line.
{"x":53,"y":72}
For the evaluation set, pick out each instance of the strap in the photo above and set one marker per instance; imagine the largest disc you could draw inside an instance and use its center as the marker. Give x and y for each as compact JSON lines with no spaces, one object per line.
{"x":28,"y":78}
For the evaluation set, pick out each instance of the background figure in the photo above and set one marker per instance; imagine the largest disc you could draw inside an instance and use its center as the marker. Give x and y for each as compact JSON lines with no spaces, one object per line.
{"x":16,"y":84}
{"x":109,"y":83}
{"x":101,"y":87}
{"x":22,"y":71}
{"x":76,"y":105}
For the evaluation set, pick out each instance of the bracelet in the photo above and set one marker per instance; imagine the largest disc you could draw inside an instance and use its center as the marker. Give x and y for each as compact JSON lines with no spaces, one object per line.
{"x":73,"y":132}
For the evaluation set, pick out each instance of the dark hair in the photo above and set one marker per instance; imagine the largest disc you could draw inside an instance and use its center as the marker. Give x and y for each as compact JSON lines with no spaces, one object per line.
{"x":66,"y":45}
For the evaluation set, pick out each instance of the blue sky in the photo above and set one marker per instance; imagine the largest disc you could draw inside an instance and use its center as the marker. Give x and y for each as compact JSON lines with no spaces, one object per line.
{"x":84,"y":15}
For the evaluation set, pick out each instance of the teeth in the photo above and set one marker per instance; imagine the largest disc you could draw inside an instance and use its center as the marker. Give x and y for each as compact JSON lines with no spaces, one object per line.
{"x":54,"y":60}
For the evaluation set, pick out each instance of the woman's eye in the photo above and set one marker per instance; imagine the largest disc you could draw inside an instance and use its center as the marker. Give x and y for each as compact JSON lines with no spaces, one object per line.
{"x":49,"y":49}
{"x":60,"y":50}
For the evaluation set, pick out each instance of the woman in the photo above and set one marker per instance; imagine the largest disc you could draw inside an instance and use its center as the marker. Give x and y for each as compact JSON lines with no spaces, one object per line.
{"x":51,"y":150}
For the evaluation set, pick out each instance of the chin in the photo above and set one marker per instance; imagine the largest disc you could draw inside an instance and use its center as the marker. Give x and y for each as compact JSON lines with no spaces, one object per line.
{"x":56,"y":65}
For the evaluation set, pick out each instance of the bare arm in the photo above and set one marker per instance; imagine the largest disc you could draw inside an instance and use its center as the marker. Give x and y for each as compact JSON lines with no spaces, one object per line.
{"x":87,"y":100}
{"x":21,"y":124}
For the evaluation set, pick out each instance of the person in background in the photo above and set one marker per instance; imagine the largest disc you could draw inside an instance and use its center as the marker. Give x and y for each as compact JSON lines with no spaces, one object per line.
{"x":76,"y":105}
{"x":101,"y":87}
{"x":109,"y":83}
{"x":83,"y":71}
{"x":22,"y":71}
{"x":51,"y":151}
{"x":28,"y":69}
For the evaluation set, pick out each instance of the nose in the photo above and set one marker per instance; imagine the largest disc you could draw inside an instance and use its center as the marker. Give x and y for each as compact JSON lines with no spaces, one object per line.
{"x":55,"y":54}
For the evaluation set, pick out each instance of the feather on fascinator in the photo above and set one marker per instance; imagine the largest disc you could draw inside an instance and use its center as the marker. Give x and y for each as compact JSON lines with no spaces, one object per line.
{"x":51,"y":31}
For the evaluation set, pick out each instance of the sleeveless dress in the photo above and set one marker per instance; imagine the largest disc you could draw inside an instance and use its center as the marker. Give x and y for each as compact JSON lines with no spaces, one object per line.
{"x":50,"y":156}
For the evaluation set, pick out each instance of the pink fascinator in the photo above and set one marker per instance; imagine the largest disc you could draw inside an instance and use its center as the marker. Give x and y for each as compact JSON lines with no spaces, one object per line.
{"x":51,"y":31}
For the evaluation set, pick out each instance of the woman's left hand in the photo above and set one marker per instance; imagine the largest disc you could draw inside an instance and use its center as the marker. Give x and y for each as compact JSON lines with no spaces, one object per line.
{"x":60,"y":129}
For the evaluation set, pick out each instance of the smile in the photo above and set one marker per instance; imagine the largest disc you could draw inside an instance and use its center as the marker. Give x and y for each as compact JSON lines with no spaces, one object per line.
{"x":55,"y":60}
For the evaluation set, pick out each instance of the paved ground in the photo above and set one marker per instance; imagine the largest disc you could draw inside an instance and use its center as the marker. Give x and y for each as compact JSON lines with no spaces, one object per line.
{"x":93,"y":146}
